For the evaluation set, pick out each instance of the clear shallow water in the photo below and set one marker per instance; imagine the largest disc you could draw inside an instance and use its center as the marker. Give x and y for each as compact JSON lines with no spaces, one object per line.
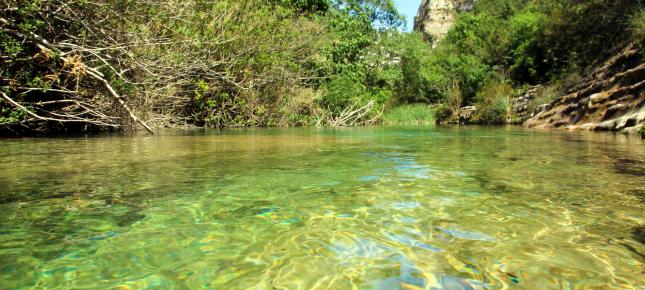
{"x":358,"y":208}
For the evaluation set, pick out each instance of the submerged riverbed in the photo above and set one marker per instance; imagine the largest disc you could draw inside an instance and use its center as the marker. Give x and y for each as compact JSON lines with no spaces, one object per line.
{"x":361,"y":208}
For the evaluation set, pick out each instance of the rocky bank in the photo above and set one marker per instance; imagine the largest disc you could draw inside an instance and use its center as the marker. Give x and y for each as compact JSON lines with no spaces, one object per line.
{"x":610,"y":98}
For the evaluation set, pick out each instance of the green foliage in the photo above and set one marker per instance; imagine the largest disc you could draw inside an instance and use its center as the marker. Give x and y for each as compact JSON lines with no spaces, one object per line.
{"x":637,"y":23}
{"x":9,"y":115}
{"x":343,"y":90}
{"x":448,"y":65}
{"x":10,"y":45}
{"x":417,"y":80}
{"x":302,"y":62}
{"x":492,"y":102}
{"x":307,"y":6}
{"x":413,"y":114}
{"x":526,"y":42}
{"x":399,"y":66}
{"x":502,"y":9}
{"x":582,"y":32}
{"x":442,"y":112}
{"x":528,"y":62}
{"x":380,"y":13}
{"x":217,"y":63}
{"x":482,"y":36}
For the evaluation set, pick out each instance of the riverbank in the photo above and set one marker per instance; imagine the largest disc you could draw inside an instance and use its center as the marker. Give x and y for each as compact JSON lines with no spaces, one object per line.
{"x":316,"y":63}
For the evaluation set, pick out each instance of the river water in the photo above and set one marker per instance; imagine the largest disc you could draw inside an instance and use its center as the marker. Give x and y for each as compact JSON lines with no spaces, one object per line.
{"x":354,"y":208}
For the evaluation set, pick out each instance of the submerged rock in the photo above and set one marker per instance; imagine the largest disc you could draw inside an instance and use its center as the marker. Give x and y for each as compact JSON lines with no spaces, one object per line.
{"x":630,"y":167}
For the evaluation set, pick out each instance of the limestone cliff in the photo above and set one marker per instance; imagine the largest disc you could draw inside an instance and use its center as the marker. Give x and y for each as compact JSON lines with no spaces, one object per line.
{"x":436,"y":17}
{"x":610,"y":98}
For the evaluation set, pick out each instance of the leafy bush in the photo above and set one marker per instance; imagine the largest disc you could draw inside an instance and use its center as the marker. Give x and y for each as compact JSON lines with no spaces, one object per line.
{"x":480,"y":35}
{"x":454,"y":99}
{"x":528,"y":62}
{"x":544,"y":95}
{"x":447,"y":64}
{"x":442,"y":113}
{"x":214,"y":64}
{"x":493,"y":106}
{"x":415,"y":84}
{"x":637,"y":22}
{"x":583,"y":32}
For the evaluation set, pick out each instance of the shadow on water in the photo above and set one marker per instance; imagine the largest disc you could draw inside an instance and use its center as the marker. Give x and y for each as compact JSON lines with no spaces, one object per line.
{"x":630,"y":167}
{"x":490,"y":185}
{"x":639,"y":234}
{"x":639,"y":193}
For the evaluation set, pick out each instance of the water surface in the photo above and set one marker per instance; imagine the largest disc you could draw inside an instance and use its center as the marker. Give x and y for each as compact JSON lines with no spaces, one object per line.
{"x":357,"y":208}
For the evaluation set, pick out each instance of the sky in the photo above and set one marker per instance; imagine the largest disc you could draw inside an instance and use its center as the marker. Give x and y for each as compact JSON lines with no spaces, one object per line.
{"x":409,"y":9}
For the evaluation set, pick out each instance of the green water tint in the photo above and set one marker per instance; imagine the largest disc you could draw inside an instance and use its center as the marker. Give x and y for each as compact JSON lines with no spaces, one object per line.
{"x":361,"y":208}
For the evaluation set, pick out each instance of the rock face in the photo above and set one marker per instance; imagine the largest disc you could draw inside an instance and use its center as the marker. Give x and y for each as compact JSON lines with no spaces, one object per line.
{"x":520,"y":105}
{"x":611,"y":98}
{"x":436,"y":17}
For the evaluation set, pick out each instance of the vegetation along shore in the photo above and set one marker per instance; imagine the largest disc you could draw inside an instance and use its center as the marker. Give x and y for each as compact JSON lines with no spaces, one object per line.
{"x":76,"y":66}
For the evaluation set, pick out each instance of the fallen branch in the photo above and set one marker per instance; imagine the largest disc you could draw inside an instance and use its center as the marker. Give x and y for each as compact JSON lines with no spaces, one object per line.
{"x":351,"y":117}
{"x":46,"y":46}
{"x":95,"y":74}
{"x":30,"y":113}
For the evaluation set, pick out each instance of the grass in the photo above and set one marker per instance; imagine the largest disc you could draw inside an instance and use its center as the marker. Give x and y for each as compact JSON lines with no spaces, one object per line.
{"x":544,"y":95}
{"x":637,"y":22}
{"x":415,"y":114}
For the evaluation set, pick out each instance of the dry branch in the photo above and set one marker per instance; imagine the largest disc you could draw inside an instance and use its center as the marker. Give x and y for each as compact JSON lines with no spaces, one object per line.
{"x":52,"y":50}
{"x":38,"y":117}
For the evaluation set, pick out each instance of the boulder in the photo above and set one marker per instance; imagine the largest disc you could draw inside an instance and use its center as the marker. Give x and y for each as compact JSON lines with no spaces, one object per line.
{"x":466,"y":114}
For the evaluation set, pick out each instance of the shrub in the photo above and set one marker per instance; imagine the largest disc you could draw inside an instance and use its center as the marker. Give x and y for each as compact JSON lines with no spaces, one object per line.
{"x":637,"y":22}
{"x":481,"y":35}
{"x":454,"y":99}
{"x":493,"y":106}
{"x":543,"y":95}
{"x":528,"y":63}
{"x":416,"y":78}
{"x":442,"y":113}
{"x":583,"y":32}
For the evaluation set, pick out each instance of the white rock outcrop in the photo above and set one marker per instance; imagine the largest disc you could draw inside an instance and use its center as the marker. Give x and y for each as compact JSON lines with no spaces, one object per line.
{"x":436,"y":17}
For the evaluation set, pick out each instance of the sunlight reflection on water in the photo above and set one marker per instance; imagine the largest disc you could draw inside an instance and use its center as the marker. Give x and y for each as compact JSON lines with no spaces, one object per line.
{"x":364,"y":208}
